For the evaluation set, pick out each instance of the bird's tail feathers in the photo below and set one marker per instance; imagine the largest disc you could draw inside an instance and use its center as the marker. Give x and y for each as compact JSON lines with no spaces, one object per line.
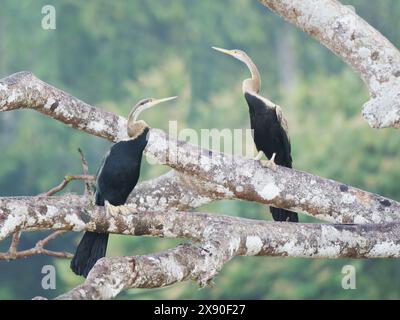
{"x":279,"y":214}
{"x":92,"y":247}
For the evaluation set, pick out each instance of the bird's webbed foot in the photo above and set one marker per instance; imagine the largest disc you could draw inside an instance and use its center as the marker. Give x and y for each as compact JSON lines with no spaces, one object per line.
{"x":268,"y":163}
{"x":115,"y":210}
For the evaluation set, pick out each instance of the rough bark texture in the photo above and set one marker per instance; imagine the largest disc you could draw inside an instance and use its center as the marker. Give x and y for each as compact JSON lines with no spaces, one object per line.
{"x":239,"y":178}
{"x":220,"y":239}
{"x":71,"y":212}
{"x":367,"y":51}
{"x":202,"y":175}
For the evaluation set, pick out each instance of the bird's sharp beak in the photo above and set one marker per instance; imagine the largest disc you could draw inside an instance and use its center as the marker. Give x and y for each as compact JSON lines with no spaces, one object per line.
{"x":228,"y":52}
{"x":157,"y":101}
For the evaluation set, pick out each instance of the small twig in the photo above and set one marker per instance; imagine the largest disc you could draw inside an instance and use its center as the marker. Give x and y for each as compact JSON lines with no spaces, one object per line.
{"x":50,"y":237}
{"x":35,"y":251}
{"x":14,"y":243}
{"x":67,"y":179}
{"x":13,"y":254}
{"x":89,"y":186}
{"x":85,"y":165}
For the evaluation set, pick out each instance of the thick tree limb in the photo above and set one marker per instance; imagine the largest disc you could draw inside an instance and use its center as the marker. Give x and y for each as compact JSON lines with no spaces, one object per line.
{"x":24,"y":91}
{"x":175,"y":191}
{"x":221,"y":238}
{"x":70,"y":212}
{"x":200,"y":175}
{"x":367,"y":51}
{"x":247,"y":179}
{"x":13,"y":254}
{"x":224,"y":238}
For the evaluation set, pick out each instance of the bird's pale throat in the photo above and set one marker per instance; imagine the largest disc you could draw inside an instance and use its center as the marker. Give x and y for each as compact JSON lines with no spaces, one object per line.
{"x":252,"y":84}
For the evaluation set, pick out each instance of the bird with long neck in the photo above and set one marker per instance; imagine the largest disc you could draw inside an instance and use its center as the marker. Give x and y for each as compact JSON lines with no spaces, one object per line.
{"x":116,"y":178}
{"x":270,"y":129}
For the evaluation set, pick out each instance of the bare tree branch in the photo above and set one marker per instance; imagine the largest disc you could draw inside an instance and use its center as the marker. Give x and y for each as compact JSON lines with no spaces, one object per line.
{"x":366,"y":50}
{"x":13,"y":252}
{"x":222,"y":238}
{"x":23,"y":90}
{"x":89,"y":183}
{"x":85,"y":166}
{"x":38,"y":249}
{"x":201,"y":175}
{"x":67,"y":179}
{"x":246,"y":179}
{"x":69,"y":212}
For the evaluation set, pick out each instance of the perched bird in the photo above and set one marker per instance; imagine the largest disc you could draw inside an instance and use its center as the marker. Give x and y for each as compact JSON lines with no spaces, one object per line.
{"x":116,"y":178}
{"x":270,"y":129}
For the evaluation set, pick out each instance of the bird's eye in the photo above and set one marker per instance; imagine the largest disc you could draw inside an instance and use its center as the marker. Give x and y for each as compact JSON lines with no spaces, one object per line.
{"x":144,"y":101}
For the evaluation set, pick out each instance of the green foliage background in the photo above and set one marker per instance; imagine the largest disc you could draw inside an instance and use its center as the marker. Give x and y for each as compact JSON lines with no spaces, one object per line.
{"x":111,"y":54}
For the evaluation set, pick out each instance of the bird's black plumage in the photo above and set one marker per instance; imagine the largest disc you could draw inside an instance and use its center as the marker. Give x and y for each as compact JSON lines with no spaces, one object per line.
{"x":116,"y":178}
{"x":120,"y":171}
{"x":270,"y":137}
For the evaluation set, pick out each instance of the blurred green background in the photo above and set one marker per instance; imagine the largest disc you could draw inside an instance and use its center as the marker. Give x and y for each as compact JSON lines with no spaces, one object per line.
{"x":111,"y":54}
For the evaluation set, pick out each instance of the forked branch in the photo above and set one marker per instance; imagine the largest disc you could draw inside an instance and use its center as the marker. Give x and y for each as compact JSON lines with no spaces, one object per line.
{"x":200,"y":176}
{"x":366,"y":50}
